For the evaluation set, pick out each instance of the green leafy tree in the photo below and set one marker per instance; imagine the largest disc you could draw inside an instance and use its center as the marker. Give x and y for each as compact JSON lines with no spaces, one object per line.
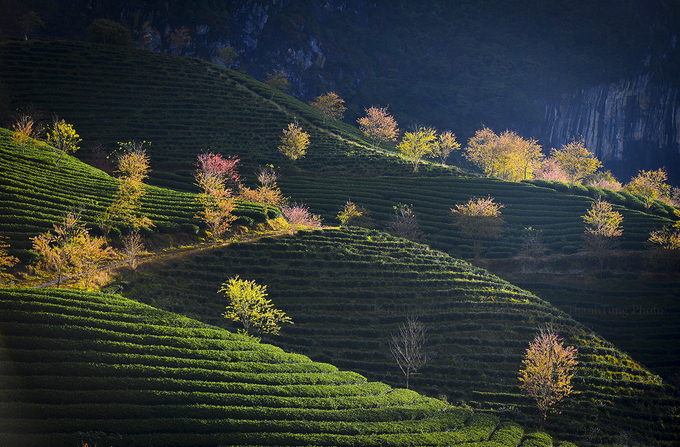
{"x":62,"y":136}
{"x":249,"y":306}
{"x":379,"y":126}
{"x":418,"y":144}
{"x":651,"y":185}
{"x":330,"y":105}
{"x":407,"y":346}
{"x":294,"y":142}
{"x":546,"y":371}
{"x":479,"y":219}
{"x":576,"y":161}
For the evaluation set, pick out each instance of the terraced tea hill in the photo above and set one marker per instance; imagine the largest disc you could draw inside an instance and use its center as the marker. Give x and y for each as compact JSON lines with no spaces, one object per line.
{"x":641,"y":317}
{"x":181,"y":105}
{"x":348,"y":290}
{"x":556,"y":214}
{"x":92,"y":368}
{"x":35,"y":194}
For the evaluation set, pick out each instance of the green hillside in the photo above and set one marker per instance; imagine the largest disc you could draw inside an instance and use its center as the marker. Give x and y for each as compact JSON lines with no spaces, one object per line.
{"x":347,"y":290}
{"x":180,"y":105}
{"x":90,"y":367}
{"x":556,"y":214}
{"x":35,"y":194}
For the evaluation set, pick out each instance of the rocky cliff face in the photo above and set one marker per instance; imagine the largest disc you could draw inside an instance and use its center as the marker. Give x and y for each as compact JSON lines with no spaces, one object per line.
{"x":630,"y":125}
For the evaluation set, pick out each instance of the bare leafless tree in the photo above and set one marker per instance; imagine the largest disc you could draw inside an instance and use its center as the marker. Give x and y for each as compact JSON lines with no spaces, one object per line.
{"x":132,"y":248}
{"x":408,"y":347}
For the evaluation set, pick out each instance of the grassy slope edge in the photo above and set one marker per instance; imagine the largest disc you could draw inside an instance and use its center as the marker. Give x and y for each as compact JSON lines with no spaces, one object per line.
{"x":91,"y":367}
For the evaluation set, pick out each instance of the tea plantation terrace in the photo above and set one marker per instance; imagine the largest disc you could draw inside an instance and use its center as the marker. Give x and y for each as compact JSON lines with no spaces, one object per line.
{"x":83,"y":367}
{"x":556,"y":214}
{"x":182,"y":106}
{"x":347,"y":290}
{"x":37,"y":194}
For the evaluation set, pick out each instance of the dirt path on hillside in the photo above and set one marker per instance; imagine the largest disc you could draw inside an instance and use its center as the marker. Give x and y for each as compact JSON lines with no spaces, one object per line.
{"x":172,"y":253}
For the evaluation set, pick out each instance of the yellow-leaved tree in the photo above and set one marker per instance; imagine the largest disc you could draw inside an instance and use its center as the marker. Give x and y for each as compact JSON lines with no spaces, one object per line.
{"x":666,"y":245}
{"x":602,"y":229}
{"x":331,"y":105}
{"x":507,"y":156}
{"x":349,"y":212}
{"x":62,"y":136}
{"x":479,"y":219}
{"x":651,"y":185}
{"x":249,"y":306}
{"x":6,"y":261}
{"x":379,"y":126}
{"x":546,"y":371}
{"x":576,"y":161}
{"x":25,"y":128}
{"x":294,"y":142}
{"x":446,"y":143}
{"x":132,"y":169}
{"x":71,"y":251}
{"x":416,"y":145}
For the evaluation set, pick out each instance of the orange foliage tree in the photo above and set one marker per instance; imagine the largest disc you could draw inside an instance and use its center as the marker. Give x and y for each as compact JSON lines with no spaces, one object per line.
{"x":547,"y":371}
{"x":277,"y":80}
{"x":180,"y":39}
{"x":24,"y":129}
{"x":268,"y":193}
{"x":378,"y":125}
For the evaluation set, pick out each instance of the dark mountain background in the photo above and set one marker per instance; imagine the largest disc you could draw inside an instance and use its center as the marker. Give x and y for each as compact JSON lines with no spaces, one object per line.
{"x":606,"y":71}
